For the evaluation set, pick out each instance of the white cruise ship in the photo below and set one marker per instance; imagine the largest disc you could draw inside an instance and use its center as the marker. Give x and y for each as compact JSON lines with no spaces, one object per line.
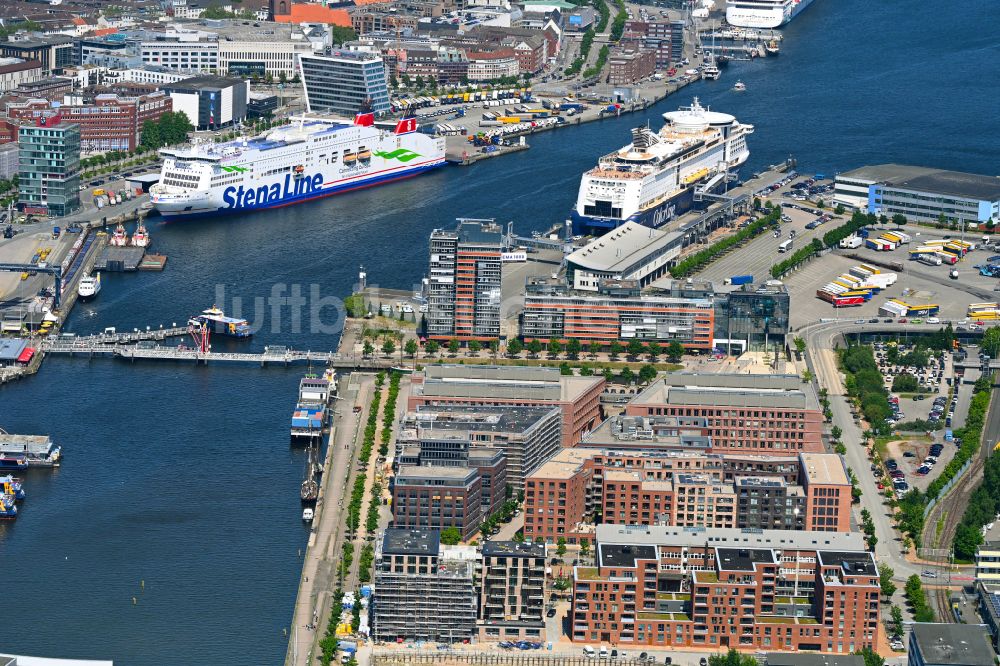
{"x":653,"y":179}
{"x":307,"y":159}
{"x":763,"y":13}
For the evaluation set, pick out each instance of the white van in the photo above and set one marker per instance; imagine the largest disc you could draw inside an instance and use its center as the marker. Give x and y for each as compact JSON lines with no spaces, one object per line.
{"x":602,"y":652}
{"x":588,"y":651}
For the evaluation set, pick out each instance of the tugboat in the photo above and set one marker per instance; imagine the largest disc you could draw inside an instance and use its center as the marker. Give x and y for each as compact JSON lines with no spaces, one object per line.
{"x":739,"y":86}
{"x":11,"y":486}
{"x":772,"y":47}
{"x":120,"y":237}
{"x":89,"y":287}
{"x":141,"y":237}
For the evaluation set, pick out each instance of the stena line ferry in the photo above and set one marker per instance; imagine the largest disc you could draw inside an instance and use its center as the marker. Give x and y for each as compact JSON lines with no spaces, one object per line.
{"x":307,"y":159}
{"x":653,"y":179}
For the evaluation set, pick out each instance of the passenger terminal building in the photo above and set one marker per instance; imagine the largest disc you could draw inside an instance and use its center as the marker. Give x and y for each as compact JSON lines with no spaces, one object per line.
{"x":920,"y":193}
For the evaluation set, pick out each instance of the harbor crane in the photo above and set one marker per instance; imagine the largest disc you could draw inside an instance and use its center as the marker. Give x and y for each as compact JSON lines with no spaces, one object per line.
{"x":55,"y":271}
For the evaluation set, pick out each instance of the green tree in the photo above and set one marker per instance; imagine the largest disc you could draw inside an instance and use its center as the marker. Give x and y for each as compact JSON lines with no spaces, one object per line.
{"x":896,"y":621}
{"x":732,"y":658}
{"x":475,"y":346}
{"x":654,"y":350}
{"x":800,"y":346}
{"x":647,"y":373}
{"x":675,"y":352}
{"x":561,"y":546}
{"x":411,"y":348}
{"x":453,"y":346}
{"x":451,"y":536}
{"x":574,"y":347}
{"x":494,"y":347}
{"x":555,"y":347}
{"x":871,"y":657}
{"x":535,"y":347}
{"x":432,"y":347}
{"x":594,"y":348}
{"x":627,"y":375}
{"x":368,"y":349}
{"x":514,"y":348}
{"x":836,"y":432}
{"x":150,"y":136}
{"x":991,"y":341}
{"x":899,"y":219}
{"x":885,"y":574}
{"x":616,"y":350}
{"x":839,"y":209}
{"x":905,"y":383}
{"x":388,"y":347}
{"x":635,"y":348}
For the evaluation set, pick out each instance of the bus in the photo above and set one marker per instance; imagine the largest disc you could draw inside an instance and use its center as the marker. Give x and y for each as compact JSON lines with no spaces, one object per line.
{"x":785,"y":246}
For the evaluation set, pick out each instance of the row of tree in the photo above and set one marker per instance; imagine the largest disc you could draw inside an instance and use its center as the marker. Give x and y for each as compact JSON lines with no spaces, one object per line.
{"x":700,"y":259}
{"x":915,"y":594}
{"x":864,"y":383}
{"x":798,"y":257}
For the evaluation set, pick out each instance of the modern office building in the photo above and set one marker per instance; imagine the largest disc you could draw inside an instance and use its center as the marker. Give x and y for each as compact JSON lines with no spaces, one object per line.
{"x":744,"y":413}
{"x":528,"y":436}
{"x":512,"y":591}
{"x":426,"y":591}
{"x":49,"y":158}
{"x":210,"y":102}
{"x":752,"y":317}
{"x":618,"y":312}
{"x":464,"y":288}
{"x":8,"y":160}
{"x":920,"y":193}
{"x":629,"y":252}
{"x":446,"y":386}
{"x":107,"y":121}
{"x":55,"y":53}
{"x":673,"y":587}
{"x":437,"y":497}
{"x":653,"y":486}
{"x":934,"y":644}
{"x":345,"y":82}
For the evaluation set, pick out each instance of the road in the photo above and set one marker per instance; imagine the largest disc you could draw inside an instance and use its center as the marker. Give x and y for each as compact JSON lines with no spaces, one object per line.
{"x":313,"y":602}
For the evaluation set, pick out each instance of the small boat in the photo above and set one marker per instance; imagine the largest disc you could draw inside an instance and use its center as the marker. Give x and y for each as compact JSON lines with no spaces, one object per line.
{"x":7,"y":509}
{"x":11,"y":486}
{"x":307,"y":515}
{"x":219,"y":323}
{"x":120,"y":237}
{"x":739,"y":86}
{"x":89,"y":287}
{"x":10,"y":461}
{"x":772,"y":47}
{"x":141,"y":237}
{"x":711,"y":70}
{"x":309,"y":492}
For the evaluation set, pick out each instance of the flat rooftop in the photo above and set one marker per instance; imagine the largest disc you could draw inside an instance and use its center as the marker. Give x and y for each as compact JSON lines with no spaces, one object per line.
{"x":623,"y":247}
{"x":483,"y":418}
{"x":411,"y":474}
{"x":955,"y":644}
{"x":824,"y":468}
{"x":806,"y":659}
{"x":743,"y":559}
{"x":851,"y":562}
{"x":657,"y":535}
{"x":502,"y":382}
{"x":649,"y":432}
{"x":730,"y":390}
{"x":624,"y":555}
{"x":513,"y":549}
{"x":924,"y":179}
{"x":398,"y":541}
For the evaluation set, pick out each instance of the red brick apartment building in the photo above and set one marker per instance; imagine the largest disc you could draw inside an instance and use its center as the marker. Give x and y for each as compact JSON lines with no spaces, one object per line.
{"x":670,"y":587}
{"x":581,"y":486}
{"x":579,"y":398}
{"x":744,"y":413}
{"x":107,"y":122}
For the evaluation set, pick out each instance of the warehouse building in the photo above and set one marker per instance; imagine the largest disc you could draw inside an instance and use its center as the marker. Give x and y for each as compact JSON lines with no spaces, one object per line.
{"x":629,"y":252}
{"x":920,"y":193}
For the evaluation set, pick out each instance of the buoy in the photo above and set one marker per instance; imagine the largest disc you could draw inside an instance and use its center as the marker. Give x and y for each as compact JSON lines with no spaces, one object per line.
{"x":134,"y":601}
{"x":142,"y":584}
{"x":285,"y":631}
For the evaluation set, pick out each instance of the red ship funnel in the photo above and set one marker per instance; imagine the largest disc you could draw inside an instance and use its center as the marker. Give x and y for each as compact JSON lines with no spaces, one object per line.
{"x":406,"y":125}
{"x":364,"y":119}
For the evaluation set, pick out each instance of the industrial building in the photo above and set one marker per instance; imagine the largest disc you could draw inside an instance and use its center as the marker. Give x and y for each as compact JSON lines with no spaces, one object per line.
{"x":653,"y":486}
{"x":512,"y":591}
{"x":673,"y":587}
{"x":629,"y":252}
{"x":934,"y":644}
{"x":49,"y":157}
{"x":210,"y":102}
{"x":446,"y":386}
{"x":528,"y":436}
{"x":618,"y":312}
{"x":464,"y":282}
{"x":425,"y":591}
{"x":920,"y":193}
{"x":744,"y":413}
{"x":345,"y":82}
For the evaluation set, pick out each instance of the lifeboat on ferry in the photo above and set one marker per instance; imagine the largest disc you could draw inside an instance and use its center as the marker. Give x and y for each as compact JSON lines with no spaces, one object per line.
{"x":350,"y":158}
{"x":364,"y":155}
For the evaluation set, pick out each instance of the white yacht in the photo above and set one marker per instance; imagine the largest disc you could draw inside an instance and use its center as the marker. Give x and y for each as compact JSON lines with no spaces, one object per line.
{"x":89,"y":287}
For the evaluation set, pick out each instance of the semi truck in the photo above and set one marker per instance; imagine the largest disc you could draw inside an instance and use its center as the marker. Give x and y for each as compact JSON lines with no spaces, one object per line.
{"x":739,"y":279}
{"x":851,"y":242}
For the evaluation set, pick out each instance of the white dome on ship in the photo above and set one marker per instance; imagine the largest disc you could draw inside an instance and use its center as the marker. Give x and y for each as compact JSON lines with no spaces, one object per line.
{"x":696,"y":117}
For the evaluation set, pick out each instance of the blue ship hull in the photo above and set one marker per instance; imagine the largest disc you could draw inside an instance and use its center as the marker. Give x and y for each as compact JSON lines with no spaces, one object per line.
{"x":654,"y":217}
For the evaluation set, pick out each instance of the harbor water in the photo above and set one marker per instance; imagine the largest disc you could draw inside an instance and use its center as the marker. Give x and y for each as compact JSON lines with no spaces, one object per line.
{"x":182,"y":477}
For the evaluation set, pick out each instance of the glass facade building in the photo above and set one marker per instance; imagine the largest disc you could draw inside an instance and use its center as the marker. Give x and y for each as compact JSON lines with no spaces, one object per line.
{"x":342,"y":83}
{"x":49,"y":158}
{"x":758,"y":316}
